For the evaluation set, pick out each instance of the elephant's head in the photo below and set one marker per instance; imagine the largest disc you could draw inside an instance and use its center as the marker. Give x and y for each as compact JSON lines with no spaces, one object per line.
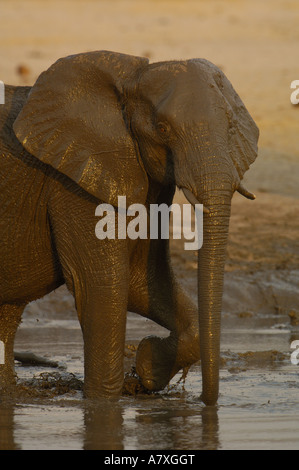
{"x":193,"y":130}
{"x":108,"y":120}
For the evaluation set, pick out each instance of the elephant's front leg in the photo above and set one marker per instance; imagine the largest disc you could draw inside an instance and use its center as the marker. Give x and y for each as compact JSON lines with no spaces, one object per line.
{"x":159,"y":359}
{"x":96,"y":272}
{"x":103,"y":322}
{"x":101,"y":295}
{"x":155,"y":294}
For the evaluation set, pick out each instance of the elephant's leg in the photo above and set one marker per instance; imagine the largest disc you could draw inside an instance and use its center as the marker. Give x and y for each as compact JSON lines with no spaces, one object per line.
{"x":159,"y":359}
{"x":103,"y":322}
{"x":10,"y":318}
{"x":101,"y":295}
{"x":155,"y":294}
{"x":96,"y":272}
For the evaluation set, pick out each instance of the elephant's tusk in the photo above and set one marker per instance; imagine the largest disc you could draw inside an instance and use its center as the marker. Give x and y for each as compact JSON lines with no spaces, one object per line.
{"x":192,"y":199}
{"x":245,"y":192}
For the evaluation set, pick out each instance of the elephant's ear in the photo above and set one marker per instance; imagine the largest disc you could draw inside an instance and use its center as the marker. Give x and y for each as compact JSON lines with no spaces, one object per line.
{"x":73,"y":121}
{"x":243,"y":133}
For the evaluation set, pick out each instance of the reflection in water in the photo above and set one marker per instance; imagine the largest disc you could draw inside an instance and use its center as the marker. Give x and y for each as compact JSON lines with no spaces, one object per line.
{"x":130,"y":424}
{"x":6,"y":427}
{"x":150,"y":424}
{"x":103,"y":425}
{"x":177,"y":426}
{"x":210,"y":428}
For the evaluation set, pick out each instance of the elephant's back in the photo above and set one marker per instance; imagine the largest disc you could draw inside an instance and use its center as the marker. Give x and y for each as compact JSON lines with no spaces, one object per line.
{"x":28,"y":266}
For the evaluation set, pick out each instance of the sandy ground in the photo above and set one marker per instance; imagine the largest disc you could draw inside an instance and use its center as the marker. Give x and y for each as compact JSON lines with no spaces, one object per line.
{"x":256,"y":45}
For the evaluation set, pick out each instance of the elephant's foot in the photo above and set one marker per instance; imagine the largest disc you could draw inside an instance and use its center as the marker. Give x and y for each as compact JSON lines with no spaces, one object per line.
{"x":159,"y":359}
{"x":154,"y":362}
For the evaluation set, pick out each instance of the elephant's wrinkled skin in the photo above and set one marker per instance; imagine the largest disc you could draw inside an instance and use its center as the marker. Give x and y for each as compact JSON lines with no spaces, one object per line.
{"x":100,"y":125}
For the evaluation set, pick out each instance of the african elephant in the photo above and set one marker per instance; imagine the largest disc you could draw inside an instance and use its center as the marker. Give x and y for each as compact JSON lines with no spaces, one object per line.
{"x":95,"y":126}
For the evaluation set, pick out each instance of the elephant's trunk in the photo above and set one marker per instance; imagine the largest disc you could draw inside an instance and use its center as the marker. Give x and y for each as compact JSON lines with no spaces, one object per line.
{"x":216,"y":197}
{"x":210,"y":288}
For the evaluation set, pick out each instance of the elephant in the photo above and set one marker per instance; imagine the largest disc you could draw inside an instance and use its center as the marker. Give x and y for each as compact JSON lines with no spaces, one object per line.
{"x":94,"y":126}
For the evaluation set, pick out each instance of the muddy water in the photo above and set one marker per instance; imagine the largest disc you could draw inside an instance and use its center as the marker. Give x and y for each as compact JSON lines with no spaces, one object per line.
{"x":258,"y":405}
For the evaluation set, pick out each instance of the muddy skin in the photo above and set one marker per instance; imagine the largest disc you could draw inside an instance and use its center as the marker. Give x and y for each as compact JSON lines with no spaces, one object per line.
{"x":160,"y":126}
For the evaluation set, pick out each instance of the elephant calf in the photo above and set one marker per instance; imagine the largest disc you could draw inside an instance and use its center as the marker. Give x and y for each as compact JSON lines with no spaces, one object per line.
{"x":100,"y":125}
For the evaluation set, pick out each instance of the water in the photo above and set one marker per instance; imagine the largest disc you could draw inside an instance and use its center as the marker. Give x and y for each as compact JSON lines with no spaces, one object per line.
{"x":257,"y":408}
{"x":259,"y":411}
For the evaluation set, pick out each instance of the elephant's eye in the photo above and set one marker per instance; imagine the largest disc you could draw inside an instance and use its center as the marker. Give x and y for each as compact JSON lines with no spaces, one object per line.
{"x":163,"y":128}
